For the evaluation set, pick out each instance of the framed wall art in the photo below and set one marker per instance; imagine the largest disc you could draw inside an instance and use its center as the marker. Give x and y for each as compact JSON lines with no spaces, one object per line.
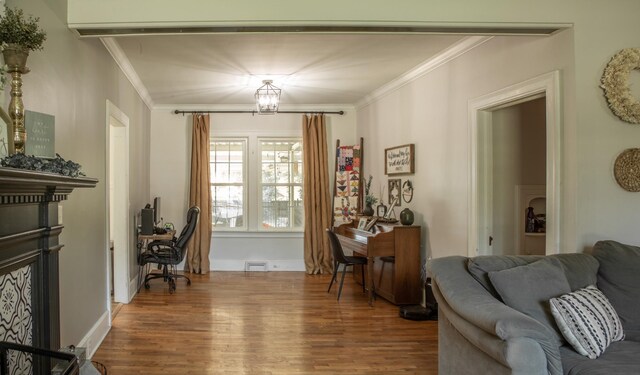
{"x":399,"y":160}
{"x":395,"y":191}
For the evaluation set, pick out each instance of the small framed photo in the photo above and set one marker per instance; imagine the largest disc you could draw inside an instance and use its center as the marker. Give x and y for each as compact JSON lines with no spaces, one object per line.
{"x":399,"y":160}
{"x":395,"y":191}
{"x":362,"y":223}
{"x":372,"y":222}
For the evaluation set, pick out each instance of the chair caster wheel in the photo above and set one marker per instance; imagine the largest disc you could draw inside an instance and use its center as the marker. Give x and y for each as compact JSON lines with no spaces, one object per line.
{"x":188,"y":282}
{"x":172,"y":286}
{"x":147,"y":286}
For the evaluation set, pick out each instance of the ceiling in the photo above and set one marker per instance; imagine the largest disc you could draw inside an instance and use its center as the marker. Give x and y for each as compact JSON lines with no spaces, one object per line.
{"x":310,"y":68}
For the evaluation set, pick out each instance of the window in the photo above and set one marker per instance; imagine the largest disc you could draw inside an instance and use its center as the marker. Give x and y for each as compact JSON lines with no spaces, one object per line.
{"x":265,"y":171}
{"x":228,"y":175}
{"x":281,"y":184}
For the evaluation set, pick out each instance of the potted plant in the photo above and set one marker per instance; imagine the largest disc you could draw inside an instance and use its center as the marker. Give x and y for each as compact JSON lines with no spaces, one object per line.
{"x":369,"y":200}
{"x":19,"y":35}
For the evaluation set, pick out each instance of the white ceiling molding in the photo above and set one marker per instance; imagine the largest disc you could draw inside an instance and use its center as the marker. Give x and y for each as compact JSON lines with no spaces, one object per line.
{"x":125,"y":65}
{"x":458,"y":49}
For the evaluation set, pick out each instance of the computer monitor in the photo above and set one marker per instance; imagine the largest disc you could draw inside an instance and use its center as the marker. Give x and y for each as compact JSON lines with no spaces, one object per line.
{"x":157,"y":216}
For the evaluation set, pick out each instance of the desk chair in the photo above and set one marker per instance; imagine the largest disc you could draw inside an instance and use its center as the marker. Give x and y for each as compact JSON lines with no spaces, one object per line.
{"x":167,"y":254}
{"x":339,"y":258}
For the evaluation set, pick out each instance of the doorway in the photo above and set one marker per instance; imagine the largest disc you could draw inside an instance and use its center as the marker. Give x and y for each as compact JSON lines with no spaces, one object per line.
{"x":503,"y":163}
{"x":517,"y":154}
{"x":118,"y":207}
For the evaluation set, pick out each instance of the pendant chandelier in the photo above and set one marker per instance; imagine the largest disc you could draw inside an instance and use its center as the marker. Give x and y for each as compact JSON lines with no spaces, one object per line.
{"x":267,"y":98}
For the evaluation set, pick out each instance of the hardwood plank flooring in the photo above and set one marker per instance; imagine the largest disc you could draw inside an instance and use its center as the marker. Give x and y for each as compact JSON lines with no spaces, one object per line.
{"x":265,"y":323}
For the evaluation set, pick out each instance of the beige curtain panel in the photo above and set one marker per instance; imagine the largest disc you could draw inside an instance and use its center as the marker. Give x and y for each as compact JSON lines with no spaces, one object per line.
{"x":317,"y":206}
{"x":200,"y":195}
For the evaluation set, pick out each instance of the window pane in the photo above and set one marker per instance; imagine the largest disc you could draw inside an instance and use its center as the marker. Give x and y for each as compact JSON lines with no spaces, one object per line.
{"x":297,"y":194}
{"x":297,"y":156}
{"x":275,"y":214}
{"x":235,"y":173}
{"x":222,"y":173}
{"x":296,"y":173}
{"x":282,"y":193}
{"x":268,"y":173}
{"x":282,"y":180}
{"x":227,"y":168}
{"x":282,"y":173}
{"x":228,"y":206}
{"x":268,"y":194}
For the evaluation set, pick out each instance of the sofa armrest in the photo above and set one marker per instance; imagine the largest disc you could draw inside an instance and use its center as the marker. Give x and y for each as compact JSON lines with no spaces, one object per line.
{"x":469,"y":307}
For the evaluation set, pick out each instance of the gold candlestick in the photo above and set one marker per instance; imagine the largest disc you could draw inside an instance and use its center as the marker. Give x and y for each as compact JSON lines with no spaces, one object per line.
{"x":15,"y":57}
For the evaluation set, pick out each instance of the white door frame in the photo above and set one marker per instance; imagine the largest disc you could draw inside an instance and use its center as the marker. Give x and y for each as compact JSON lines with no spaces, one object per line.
{"x":547,"y":85}
{"x":121,"y":284}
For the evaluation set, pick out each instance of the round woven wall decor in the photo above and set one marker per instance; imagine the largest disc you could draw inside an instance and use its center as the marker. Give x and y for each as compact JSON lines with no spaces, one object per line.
{"x":615,"y":82}
{"x":626,"y":169}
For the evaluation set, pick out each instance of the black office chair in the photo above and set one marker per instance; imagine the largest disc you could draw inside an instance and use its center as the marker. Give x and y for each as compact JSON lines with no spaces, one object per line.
{"x":339,"y":258}
{"x":167,"y":254}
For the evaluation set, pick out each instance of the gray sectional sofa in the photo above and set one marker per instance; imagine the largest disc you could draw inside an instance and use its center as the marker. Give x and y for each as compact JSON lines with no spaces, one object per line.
{"x":480,"y":334}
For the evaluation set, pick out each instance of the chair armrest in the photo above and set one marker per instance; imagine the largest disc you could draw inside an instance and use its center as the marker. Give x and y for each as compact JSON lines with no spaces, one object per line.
{"x":460,"y":293}
{"x":160,"y":245}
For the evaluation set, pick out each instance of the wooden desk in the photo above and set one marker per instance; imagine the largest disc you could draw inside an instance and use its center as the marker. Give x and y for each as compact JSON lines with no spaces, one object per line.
{"x":397,"y":282}
{"x":142,"y":238}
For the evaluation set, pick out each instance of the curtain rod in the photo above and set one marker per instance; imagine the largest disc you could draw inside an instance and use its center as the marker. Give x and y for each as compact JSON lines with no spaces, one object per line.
{"x":177,"y":112}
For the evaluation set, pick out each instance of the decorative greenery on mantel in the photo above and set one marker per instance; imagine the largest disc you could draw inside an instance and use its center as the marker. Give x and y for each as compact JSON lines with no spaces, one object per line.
{"x":15,"y":28}
{"x":33,"y":163}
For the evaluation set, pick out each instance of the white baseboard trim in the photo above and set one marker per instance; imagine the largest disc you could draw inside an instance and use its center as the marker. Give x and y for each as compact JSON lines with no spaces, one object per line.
{"x":96,"y":334}
{"x":273,"y":265}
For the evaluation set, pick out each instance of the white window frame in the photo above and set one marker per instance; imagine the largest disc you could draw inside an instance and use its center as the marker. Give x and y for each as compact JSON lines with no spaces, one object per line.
{"x":258,"y":182}
{"x":252,"y":225}
{"x":245,"y":192}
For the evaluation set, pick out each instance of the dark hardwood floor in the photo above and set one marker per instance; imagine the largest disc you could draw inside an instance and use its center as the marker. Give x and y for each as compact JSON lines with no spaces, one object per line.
{"x":265,"y":323}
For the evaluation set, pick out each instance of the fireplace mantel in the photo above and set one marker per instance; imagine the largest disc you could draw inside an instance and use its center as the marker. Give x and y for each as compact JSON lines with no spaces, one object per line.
{"x":29,"y":246}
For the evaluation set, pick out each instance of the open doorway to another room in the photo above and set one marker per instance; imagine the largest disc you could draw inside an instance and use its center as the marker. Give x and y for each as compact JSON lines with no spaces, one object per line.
{"x":118,"y":209}
{"x":518,"y":133}
{"x":515,"y":169}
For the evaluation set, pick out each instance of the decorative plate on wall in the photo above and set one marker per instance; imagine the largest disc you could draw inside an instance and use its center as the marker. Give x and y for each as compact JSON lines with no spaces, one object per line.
{"x":626,"y":169}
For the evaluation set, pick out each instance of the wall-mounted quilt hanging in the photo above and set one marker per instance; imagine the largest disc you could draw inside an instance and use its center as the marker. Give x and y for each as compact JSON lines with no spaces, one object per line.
{"x":347,"y":199}
{"x":626,"y":169}
{"x":615,"y":82}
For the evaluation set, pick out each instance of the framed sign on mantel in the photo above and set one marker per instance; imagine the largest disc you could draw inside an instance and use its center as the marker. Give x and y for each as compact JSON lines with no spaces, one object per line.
{"x":399,"y":160}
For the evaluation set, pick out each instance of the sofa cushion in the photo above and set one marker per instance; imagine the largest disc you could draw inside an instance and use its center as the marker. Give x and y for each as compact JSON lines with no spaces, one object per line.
{"x":479,"y":267}
{"x":621,"y":358}
{"x":619,"y":280}
{"x":587,"y":320}
{"x":580,"y":269}
{"x":529,"y":288}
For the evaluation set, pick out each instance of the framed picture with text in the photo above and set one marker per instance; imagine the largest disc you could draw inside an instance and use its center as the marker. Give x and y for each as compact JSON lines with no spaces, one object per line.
{"x":399,"y":160}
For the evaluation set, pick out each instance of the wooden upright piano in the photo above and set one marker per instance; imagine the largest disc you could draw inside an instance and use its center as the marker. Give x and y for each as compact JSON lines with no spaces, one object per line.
{"x":398,"y":281}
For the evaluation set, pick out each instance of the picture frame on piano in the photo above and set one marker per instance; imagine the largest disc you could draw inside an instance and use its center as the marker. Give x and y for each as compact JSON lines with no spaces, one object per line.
{"x":362,"y":223}
{"x":370,"y":224}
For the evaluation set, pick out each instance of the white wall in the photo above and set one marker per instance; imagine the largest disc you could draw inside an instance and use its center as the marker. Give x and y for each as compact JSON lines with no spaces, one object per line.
{"x":72,"y":80}
{"x":519,"y":154}
{"x":432,"y":113}
{"x":170,"y":153}
{"x":594,"y":207}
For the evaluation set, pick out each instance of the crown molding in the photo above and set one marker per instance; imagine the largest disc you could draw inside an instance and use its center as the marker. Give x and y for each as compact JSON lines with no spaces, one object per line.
{"x":456,"y":50}
{"x":125,"y":65}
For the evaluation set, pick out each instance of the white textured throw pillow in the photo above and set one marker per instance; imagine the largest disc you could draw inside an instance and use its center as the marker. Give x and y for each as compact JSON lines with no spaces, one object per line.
{"x":587,"y":320}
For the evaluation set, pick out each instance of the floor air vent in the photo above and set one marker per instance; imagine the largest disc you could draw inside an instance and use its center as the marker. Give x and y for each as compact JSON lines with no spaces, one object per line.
{"x":255,"y":266}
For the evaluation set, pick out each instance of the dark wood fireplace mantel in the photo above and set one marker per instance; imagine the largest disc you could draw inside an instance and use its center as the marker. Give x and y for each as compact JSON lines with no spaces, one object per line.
{"x":29,"y":246}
